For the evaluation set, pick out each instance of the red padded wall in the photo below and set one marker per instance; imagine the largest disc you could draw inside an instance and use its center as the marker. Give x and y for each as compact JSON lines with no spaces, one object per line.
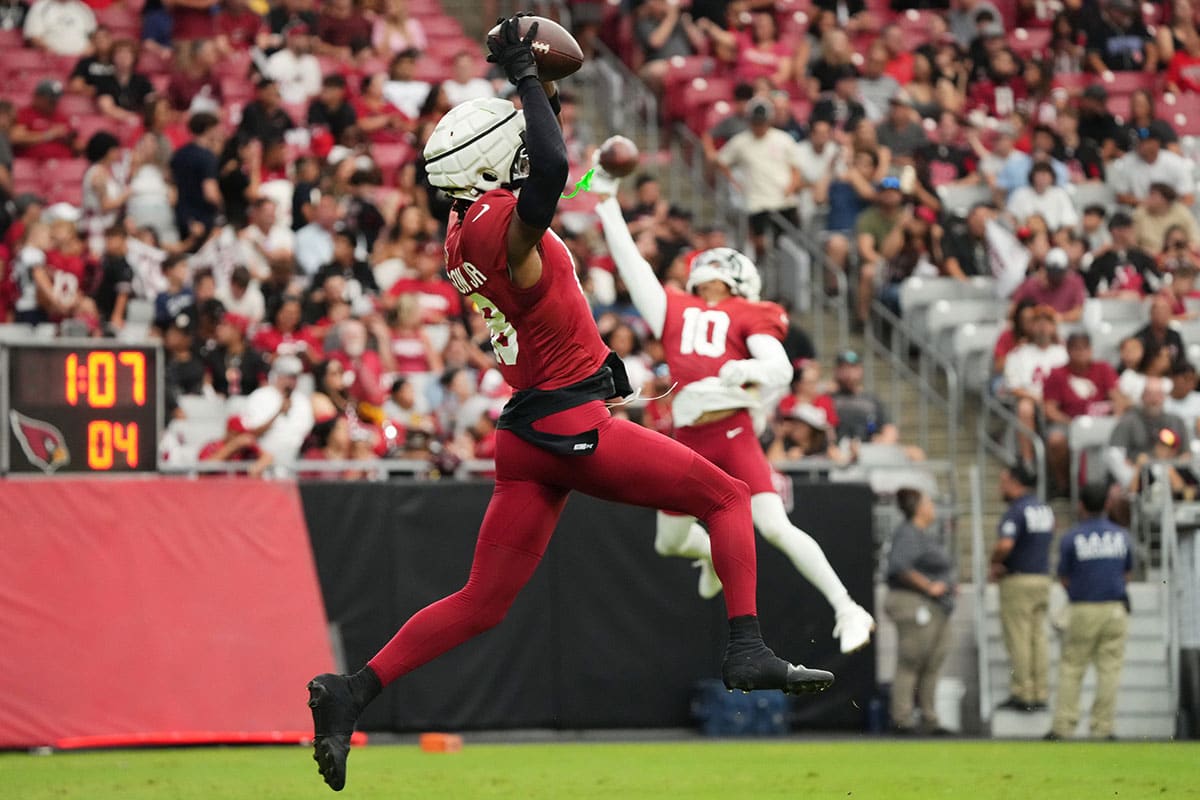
{"x":156,"y":610}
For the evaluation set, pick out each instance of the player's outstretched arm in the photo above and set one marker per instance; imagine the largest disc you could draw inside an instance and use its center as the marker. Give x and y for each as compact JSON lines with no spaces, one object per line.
{"x":548,"y":166}
{"x":645,"y":290}
{"x":768,"y":365}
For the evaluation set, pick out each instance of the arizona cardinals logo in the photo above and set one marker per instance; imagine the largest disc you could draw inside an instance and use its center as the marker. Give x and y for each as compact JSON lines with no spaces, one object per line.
{"x":43,"y":443}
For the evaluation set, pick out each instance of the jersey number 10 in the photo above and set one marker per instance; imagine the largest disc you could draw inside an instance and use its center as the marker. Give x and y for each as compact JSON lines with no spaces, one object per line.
{"x":704,"y":332}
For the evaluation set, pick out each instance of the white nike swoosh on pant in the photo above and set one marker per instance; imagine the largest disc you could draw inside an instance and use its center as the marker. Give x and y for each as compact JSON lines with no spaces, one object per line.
{"x":732,"y":432}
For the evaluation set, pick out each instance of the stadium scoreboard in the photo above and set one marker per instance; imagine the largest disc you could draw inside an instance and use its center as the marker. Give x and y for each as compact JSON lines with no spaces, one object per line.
{"x":80,"y":406}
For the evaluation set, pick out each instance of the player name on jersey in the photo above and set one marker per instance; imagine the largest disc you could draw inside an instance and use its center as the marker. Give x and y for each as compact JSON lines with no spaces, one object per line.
{"x":466,"y":278}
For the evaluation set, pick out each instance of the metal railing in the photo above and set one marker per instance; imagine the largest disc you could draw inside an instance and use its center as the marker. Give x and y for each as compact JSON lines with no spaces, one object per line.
{"x":1172,"y":575}
{"x":988,"y":446}
{"x":809,"y":280}
{"x":979,"y":579}
{"x":929,"y":362}
{"x":626,"y":103}
{"x":376,"y":469}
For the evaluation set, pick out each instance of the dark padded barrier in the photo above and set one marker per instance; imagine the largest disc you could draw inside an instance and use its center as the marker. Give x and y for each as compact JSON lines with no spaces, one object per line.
{"x":607,"y":634}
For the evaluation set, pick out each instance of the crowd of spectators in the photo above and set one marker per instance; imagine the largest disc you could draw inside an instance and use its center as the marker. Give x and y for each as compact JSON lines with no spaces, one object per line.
{"x":1049,"y":146}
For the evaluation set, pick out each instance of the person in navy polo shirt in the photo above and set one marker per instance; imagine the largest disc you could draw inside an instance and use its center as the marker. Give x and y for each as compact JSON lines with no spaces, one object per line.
{"x":1095,"y":558}
{"x":1021,"y":564}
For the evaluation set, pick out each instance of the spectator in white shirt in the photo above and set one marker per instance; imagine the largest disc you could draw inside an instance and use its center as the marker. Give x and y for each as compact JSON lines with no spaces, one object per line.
{"x":815,"y":157}
{"x":265,"y":240}
{"x":1183,"y":400}
{"x":1044,"y":199}
{"x":466,"y":84}
{"x":277,"y":414}
{"x":60,"y":26}
{"x":764,"y":161}
{"x":1149,"y":162}
{"x":242,"y":296}
{"x":295,"y":69}
{"x":402,"y":89}
{"x":314,"y":242}
{"x":1026,"y":370}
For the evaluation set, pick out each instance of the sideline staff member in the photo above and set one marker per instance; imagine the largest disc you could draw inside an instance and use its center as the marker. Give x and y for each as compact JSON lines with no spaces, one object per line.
{"x":1021,"y":563}
{"x":920,"y":600}
{"x":1095,"y":559}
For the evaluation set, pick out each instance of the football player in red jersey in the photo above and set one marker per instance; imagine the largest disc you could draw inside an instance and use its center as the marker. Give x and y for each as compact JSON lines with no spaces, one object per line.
{"x":506,"y":168}
{"x":724,"y":348}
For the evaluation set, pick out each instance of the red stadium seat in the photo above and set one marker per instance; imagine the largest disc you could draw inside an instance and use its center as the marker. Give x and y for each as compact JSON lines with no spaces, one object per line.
{"x":118,"y":15}
{"x":390,"y":157}
{"x":11,"y":40}
{"x":1182,"y":111}
{"x":235,"y":90}
{"x":1129,"y":82}
{"x":76,"y":104}
{"x":235,"y":66}
{"x":431,"y":70}
{"x":88,"y":124}
{"x":1074,"y":83}
{"x":1118,"y":106}
{"x":26,"y":170}
{"x":63,"y":174}
{"x":25,"y":60}
{"x":151,"y":62}
{"x":1026,"y":42}
{"x":441,"y":27}
{"x":702,"y":93}
{"x":682,"y":71}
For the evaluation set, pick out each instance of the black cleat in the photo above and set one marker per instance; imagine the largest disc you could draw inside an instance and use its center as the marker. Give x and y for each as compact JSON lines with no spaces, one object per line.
{"x":334,"y":713}
{"x":762,"y":669}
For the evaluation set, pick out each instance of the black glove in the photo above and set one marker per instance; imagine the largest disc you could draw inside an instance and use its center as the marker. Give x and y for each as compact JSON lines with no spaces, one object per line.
{"x":511,"y":52}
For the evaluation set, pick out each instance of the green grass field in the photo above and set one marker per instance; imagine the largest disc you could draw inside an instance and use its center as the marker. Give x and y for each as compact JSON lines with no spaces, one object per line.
{"x":693,"y":770}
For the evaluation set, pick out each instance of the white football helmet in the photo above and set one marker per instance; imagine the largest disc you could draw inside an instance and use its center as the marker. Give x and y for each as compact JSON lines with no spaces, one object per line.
{"x":478,"y":146}
{"x":729,"y":266}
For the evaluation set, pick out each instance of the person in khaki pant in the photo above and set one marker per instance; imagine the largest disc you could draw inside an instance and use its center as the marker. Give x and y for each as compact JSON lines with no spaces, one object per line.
{"x":1021,"y":564}
{"x":920,"y":600}
{"x":1095,"y":558}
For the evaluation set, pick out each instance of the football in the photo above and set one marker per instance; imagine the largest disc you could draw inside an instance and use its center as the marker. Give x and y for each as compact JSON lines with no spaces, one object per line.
{"x":555,"y":49}
{"x":618,"y":156}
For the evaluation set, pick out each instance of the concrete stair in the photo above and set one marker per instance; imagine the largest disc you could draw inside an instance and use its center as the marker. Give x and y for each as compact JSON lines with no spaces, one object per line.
{"x":1144,"y":707}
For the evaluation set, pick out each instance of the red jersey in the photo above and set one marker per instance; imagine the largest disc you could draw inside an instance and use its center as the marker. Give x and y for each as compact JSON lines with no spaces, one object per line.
{"x":698,"y":338}
{"x":38,"y":122}
{"x":1079,"y":394}
{"x":544,"y":336}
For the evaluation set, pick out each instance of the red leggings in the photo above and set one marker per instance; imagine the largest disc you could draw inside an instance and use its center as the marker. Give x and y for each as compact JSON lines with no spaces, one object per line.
{"x":631,"y":464}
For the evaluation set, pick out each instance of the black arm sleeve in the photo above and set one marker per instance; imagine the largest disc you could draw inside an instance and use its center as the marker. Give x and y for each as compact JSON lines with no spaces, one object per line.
{"x":548,"y":167}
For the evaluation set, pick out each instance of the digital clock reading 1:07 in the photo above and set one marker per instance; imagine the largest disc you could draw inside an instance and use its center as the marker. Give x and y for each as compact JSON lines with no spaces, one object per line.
{"x":74,"y":407}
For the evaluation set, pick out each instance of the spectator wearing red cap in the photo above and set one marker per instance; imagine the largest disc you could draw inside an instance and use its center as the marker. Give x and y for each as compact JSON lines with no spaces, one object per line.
{"x":239,"y":445}
{"x":41,"y":130}
{"x":439,"y":301}
{"x":233,"y":366}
